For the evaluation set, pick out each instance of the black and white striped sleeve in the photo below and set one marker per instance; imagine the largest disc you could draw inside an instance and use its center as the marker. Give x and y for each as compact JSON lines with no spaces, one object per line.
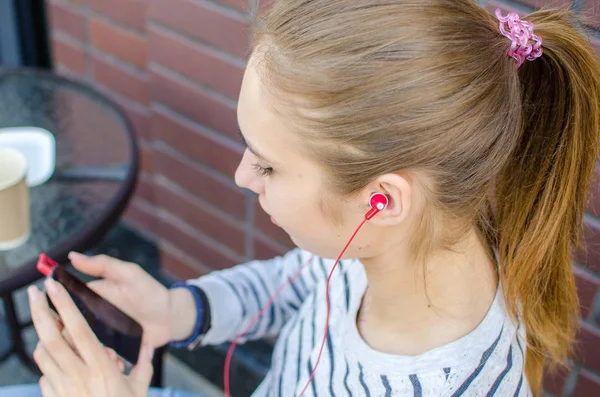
{"x":237,"y":295}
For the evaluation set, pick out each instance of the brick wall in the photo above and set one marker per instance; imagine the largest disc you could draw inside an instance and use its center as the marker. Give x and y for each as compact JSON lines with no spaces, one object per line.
{"x":175,"y":66}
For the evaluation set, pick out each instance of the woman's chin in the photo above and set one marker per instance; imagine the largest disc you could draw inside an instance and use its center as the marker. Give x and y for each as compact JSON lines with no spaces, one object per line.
{"x":314,"y":247}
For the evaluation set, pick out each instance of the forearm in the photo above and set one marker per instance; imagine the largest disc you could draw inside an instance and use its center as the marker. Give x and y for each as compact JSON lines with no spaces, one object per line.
{"x":238,"y":294}
{"x":183,"y":314}
{"x":231,"y":298}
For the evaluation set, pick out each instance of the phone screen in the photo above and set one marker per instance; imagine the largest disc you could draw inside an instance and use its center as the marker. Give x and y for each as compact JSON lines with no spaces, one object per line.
{"x":112,"y":327}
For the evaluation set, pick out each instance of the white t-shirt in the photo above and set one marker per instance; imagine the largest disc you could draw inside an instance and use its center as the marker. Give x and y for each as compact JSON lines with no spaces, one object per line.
{"x":489,"y":361}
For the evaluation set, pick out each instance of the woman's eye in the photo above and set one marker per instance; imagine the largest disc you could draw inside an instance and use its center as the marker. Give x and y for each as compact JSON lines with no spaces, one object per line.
{"x":262,"y":171}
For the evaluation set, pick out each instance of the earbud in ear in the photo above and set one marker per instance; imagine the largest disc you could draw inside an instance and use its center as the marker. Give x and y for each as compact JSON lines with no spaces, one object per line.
{"x":378,"y":202}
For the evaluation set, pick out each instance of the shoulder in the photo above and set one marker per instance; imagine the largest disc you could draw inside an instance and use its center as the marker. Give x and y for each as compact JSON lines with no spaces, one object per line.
{"x":498,"y":363}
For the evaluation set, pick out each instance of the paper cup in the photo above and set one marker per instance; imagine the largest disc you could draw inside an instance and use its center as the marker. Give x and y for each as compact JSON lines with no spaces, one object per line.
{"x":15,"y":223}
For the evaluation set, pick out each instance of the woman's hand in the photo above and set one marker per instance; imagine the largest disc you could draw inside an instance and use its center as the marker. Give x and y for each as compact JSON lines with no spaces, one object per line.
{"x":114,"y":357}
{"x":89,"y":371}
{"x":127,"y":286}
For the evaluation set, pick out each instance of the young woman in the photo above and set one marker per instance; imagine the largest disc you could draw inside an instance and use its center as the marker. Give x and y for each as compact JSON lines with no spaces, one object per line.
{"x":482,"y":133}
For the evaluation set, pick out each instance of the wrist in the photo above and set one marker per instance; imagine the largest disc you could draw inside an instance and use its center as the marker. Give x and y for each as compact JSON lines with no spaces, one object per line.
{"x":182,"y":314}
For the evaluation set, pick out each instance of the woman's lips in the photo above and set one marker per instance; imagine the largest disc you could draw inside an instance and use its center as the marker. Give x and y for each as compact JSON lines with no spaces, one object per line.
{"x":267,"y":212}
{"x":274,"y":221}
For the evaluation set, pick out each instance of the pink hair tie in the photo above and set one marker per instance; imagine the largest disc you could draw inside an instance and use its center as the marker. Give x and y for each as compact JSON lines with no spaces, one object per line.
{"x":521,"y":35}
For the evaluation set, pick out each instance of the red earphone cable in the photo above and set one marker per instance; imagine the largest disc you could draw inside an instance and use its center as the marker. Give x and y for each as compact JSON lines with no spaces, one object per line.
{"x":270,"y":302}
{"x":229,"y":356}
{"x":312,"y":375}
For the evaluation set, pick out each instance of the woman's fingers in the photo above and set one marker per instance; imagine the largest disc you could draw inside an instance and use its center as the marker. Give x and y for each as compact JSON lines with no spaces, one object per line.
{"x":111,"y":354}
{"x":49,"y":334}
{"x":88,"y":265}
{"x":46,"y":387}
{"x":100,"y":266}
{"x":64,"y":332}
{"x":107,"y":289}
{"x":114,"y":357}
{"x":84,"y":339}
{"x":69,"y":340}
{"x":57,"y":321}
{"x":46,"y":363}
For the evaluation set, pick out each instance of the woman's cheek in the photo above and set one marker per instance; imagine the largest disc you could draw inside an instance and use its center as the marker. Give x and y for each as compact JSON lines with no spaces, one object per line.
{"x":273,"y":203}
{"x":282,"y":204}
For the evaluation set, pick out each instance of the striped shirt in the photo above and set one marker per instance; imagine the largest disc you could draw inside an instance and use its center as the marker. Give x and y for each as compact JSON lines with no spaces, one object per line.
{"x":489,"y":361}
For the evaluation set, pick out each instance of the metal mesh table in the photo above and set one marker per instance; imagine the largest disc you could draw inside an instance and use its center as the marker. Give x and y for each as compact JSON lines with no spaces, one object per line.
{"x":96,"y":170}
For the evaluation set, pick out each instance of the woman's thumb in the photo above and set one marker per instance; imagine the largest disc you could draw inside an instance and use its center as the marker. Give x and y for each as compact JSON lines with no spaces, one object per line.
{"x":97,"y":266}
{"x":141,"y":374}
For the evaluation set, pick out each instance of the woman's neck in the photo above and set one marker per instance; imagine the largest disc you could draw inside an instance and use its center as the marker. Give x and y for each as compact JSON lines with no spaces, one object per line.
{"x":410,"y":308}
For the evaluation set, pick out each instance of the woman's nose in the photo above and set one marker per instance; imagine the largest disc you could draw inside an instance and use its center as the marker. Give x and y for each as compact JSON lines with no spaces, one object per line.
{"x":246,"y":177}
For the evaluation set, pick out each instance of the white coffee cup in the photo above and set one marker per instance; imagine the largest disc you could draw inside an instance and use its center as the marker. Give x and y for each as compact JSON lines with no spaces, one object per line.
{"x":15,"y":222}
{"x":39,"y":148}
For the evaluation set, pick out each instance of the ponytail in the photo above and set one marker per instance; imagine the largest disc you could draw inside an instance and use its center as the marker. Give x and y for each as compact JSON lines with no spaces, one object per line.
{"x":541,"y":193}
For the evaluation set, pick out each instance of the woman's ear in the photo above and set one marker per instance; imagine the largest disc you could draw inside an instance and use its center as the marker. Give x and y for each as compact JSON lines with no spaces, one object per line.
{"x":398,"y":190}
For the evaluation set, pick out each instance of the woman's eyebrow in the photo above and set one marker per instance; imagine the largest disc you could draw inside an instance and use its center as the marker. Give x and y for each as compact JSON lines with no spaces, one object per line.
{"x":252,"y":149}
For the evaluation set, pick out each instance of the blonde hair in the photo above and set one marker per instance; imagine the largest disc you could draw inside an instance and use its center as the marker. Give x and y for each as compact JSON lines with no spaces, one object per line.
{"x":378,"y":87}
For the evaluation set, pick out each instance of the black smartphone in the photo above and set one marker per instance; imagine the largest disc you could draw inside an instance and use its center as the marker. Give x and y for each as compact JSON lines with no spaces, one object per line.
{"x":112,"y":327}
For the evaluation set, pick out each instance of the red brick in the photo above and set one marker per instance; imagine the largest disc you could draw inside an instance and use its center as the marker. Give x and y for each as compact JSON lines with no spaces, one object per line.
{"x":128,"y":12}
{"x":121,"y":80}
{"x":555,"y":382}
{"x":118,"y":42}
{"x":146,"y":157}
{"x":98,"y":136}
{"x":194,"y":103}
{"x":200,"y":64}
{"x":264,"y":5}
{"x":70,"y":56}
{"x":587,"y":288}
{"x":588,"y":385}
{"x":139,"y":119}
{"x":182,"y":237}
{"x":179,"y":264}
{"x":263,"y":222}
{"x":593,"y":202}
{"x":590,"y":255}
{"x":145,"y":189}
{"x":191,"y":139}
{"x":66,"y":20}
{"x":265,"y":249}
{"x":210,"y":24}
{"x":142,"y":215}
{"x":587,"y":348}
{"x":241,"y":5}
{"x":187,"y":207}
{"x":591,"y":10}
{"x":62,"y":70}
{"x":225,"y":196}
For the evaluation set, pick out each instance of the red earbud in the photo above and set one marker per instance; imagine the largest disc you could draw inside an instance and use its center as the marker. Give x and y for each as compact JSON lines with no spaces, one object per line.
{"x":378,"y":202}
